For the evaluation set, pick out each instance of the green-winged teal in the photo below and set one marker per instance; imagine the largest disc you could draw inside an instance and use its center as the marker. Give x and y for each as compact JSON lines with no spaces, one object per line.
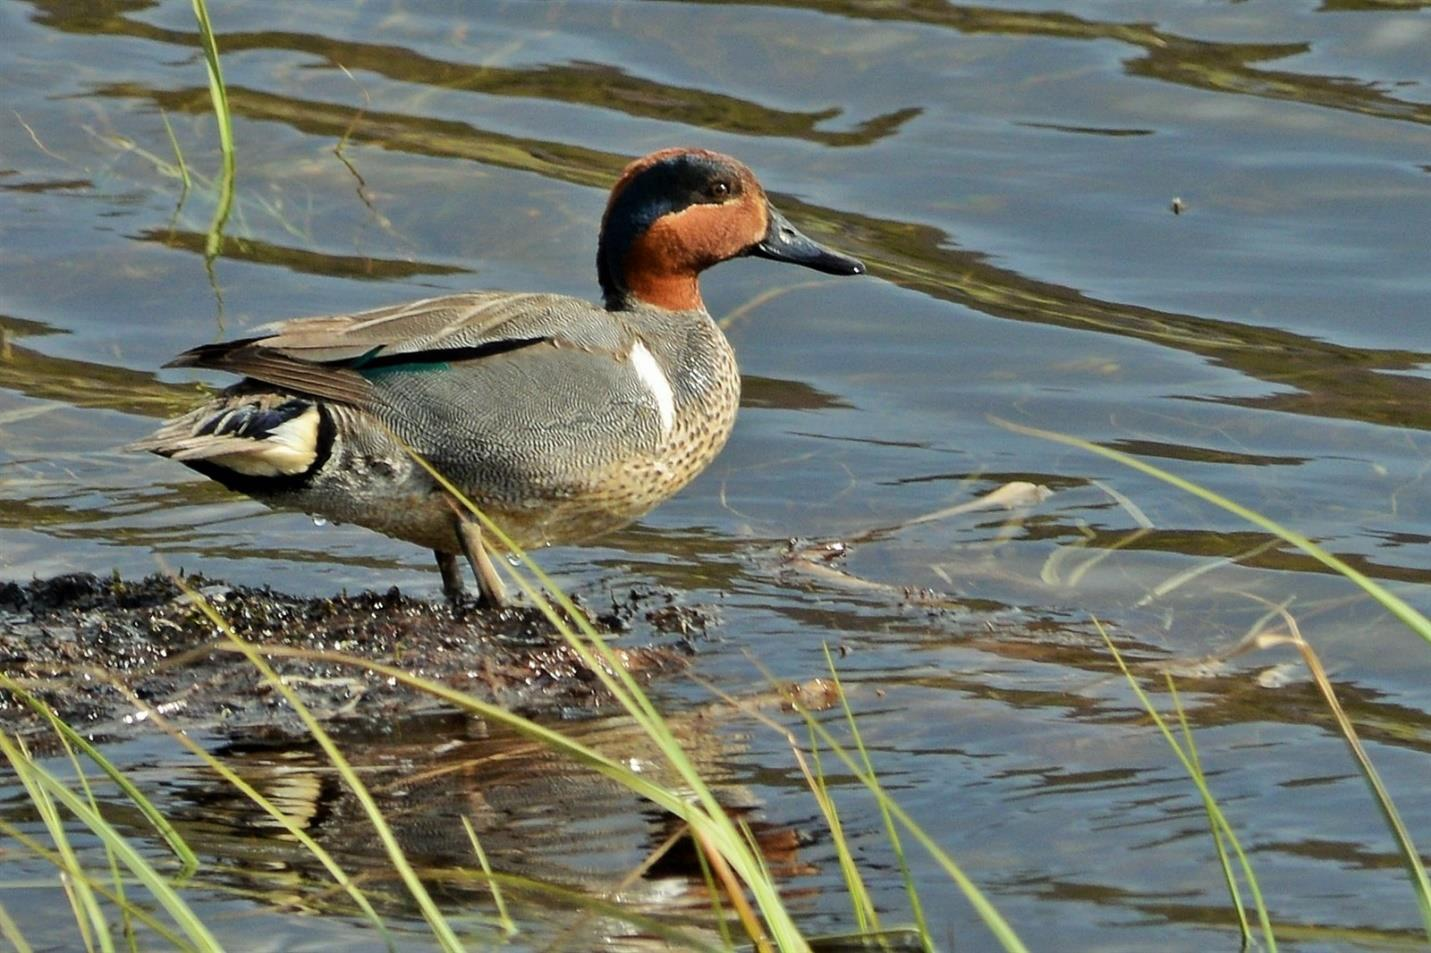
{"x":560,"y":418}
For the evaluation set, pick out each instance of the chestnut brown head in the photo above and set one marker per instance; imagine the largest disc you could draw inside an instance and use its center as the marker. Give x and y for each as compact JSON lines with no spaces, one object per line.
{"x":676,"y":212}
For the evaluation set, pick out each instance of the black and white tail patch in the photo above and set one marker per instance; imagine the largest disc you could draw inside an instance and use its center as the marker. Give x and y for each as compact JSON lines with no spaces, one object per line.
{"x":254,"y":435}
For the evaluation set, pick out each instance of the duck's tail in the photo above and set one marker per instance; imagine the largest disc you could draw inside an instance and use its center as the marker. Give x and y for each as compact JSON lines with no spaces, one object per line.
{"x":250,"y":435}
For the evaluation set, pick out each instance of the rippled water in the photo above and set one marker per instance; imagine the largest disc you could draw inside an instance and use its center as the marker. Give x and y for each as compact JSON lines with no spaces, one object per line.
{"x":1008,"y":174}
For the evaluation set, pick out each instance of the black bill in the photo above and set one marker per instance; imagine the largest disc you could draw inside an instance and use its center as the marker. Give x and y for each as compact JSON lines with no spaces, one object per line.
{"x":785,"y":242}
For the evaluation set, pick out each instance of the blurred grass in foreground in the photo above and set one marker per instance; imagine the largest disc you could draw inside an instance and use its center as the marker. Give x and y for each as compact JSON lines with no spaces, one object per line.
{"x":742,"y":891}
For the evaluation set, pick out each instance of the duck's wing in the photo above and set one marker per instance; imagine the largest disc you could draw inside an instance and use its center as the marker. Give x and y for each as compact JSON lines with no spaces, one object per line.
{"x":327,"y":356}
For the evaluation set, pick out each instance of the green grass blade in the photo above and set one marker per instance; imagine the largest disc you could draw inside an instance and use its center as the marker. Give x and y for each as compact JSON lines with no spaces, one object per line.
{"x":178,"y":154}
{"x":70,"y":872}
{"x":218,"y":90}
{"x":508,"y":927}
{"x":1410,"y":856}
{"x":441,"y":929}
{"x":235,"y":780}
{"x":160,"y":823}
{"x":866,"y":919}
{"x":167,"y":897}
{"x":711,"y":822}
{"x":218,"y":94}
{"x":106,"y":943}
{"x":1209,"y":802}
{"x":174,"y":940}
{"x":1393,"y":604}
{"x":995,"y":921}
{"x":1218,"y":839}
{"x":717,"y":908}
{"x":1002,"y":930}
{"x":891,"y":830}
{"x":10,"y":930}
{"x":88,"y":917}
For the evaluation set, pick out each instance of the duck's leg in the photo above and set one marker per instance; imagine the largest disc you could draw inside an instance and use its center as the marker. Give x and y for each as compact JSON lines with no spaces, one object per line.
{"x":451,"y":574}
{"x":490,"y":591}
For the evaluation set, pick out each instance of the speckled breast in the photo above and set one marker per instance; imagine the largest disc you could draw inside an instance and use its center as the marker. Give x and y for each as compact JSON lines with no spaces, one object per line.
{"x":707,"y":392}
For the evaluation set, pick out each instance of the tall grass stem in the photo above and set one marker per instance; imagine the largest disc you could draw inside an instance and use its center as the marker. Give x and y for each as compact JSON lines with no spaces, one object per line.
{"x":891,"y":830}
{"x":187,"y":858}
{"x":441,"y":929}
{"x":189,"y":922}
{"x":219,"y":96}
{"x":1219,"y":840}
{"x":1394,"y":604}
{"x":10,"y":930}
{"x":1209,"y":802}
{"x":1410,"y":856}
{"x":503,"y":917}
{"x":289,"y":825}
{"x":710,"y":821}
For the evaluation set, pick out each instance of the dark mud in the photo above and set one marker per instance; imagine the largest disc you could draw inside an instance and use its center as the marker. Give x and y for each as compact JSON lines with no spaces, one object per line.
{"x":88,"y":647}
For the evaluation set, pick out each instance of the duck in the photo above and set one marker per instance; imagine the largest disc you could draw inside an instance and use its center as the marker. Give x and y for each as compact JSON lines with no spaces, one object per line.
{"x":560,"y":418}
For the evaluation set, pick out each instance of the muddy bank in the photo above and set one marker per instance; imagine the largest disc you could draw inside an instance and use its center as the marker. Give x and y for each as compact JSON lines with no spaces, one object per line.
{"x":83,"y":644}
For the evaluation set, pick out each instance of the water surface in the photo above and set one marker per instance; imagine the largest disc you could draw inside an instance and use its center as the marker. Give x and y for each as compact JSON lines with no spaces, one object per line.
{"x":1007,"y":172}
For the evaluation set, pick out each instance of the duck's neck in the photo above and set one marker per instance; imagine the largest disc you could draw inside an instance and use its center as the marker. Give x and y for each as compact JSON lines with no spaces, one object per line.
{"x":642,"y":270}
{"x":668,"y":292}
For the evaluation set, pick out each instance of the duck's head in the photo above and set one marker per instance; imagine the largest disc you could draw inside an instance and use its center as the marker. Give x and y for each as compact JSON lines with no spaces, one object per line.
{"x":676,"y":212}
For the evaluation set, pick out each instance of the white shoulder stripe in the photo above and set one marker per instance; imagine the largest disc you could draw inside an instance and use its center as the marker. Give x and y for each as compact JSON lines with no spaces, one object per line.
{"x":656,"y":382}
